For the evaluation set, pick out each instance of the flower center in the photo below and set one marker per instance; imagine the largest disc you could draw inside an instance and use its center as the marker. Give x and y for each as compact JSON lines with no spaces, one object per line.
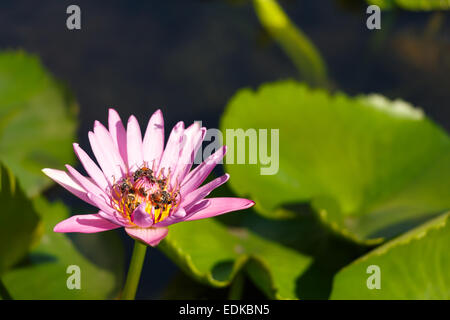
{"x":145,"y":187}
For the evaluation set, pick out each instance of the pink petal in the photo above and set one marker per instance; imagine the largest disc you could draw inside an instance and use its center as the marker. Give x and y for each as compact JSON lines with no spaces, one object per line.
{"x":115,"y":218}
{"x":109,"y":148}
{"x":193,"y":140}
{"x":177,"y":216}
{"x":85,"y":223}
{"x":118,"y":134}
{"x":197,"y":195}
{"x":91,"y":168}
{"x":141,"y":218}
{"x":172,"y":152}
{"x":180,"y":213}
{"x":67,"y":182}
{"x":198,"y":143}
{"x":86,"y":183}
{"x":134,"y":144}
{"x":106,"y":211}
{"x":196,"y":177}
{"x":153,"y":145}
{"x":203,"y":204}
{"x":103,"y":159}
{"x":101,"y":203}
{"x":218,"y":206}
{"x":150,"y":236}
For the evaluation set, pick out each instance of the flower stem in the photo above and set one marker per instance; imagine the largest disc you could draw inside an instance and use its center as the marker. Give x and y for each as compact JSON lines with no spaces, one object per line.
{"x":296,"y":45}
{"x":134,"y":271}
{"x":4,"y":293}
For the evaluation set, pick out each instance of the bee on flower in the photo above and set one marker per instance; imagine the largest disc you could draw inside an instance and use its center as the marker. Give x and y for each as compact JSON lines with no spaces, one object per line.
{"x":139,"y":184}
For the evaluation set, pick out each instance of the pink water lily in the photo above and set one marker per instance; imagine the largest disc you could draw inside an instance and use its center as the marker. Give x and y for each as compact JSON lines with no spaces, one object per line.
{"x":140,"y":185}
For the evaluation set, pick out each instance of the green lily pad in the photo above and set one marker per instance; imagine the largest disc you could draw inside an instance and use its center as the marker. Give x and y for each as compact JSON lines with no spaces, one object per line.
{"x":213,"y":253}
{"x":45,"y":274}
{"x":285,"y":259}
{"x":37,"y":123}
{"x":415,"y":5}
{"x":373,"y":168}
{"x":413,"y":266}
{"x":19,"y":222}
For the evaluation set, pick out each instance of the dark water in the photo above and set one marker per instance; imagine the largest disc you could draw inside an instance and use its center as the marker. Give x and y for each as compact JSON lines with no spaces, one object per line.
{"x":189,"y":58}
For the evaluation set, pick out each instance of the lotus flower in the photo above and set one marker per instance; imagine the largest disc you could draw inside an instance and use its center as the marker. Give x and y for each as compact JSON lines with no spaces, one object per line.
{"x":139,"y":185}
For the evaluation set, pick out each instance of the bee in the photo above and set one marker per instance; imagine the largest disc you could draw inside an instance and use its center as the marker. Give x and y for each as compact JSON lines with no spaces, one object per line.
{"x":131,"y":204}
{"x":124,"y":186}
{"x":142,"y":191}
{"x":161,"y":182}
{"x":161,"y":198}
{"x":143,"y":172}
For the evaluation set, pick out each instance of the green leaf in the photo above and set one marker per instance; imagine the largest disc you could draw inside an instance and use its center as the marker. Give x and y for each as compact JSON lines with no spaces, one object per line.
{"x":293,"y":41}
{"x":414,"y":266}
{"x":286,"y":259}
{"x":371,"y":167}
{"x":37,"y":122}
{"x":415,"y":5}
{"x":213,"y":254}
{"x":18,"y":222}
{"x":45,"y":275}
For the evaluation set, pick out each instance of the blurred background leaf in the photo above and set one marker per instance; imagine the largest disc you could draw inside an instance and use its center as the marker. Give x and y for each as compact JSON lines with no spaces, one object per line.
{"x":37,"y":120}
{"x":414,"y":266}
{"x":213,"y":253}
{"x":285,"y":259}
{"x":19,"y":222}
{"x":43,"y":275}
{"x":373,"y":168}
{"x":296,"y":45}
{"x":415,"y":5}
